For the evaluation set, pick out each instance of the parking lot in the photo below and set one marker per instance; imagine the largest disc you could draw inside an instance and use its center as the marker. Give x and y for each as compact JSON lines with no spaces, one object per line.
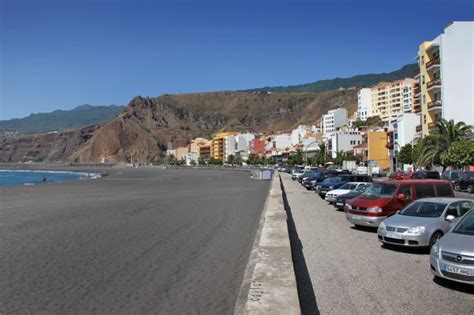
{"x":341,"y":269}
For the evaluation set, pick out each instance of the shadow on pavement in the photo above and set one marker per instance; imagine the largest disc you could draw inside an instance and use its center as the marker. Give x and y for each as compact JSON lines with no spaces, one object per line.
{"x":367,"y":229}
{"x":306,"y":295}
{"x":407,"y":250}
{"x":461,"y":287}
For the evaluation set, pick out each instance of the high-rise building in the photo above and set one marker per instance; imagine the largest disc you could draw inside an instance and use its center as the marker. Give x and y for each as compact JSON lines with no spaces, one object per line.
{"x":333,"y":120}
{"x":218,"y":145}
{"x":392,"y":98}
{"x":364,"y":104}
{"x":446,"y":76}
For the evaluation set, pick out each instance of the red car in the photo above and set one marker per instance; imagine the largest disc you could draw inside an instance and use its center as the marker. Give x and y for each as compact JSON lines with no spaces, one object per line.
{"x":385,"y":198}
{"x":400,"y":176}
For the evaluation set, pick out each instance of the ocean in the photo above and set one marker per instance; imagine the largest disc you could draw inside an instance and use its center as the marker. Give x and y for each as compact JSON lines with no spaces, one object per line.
{"x":24,"y":177}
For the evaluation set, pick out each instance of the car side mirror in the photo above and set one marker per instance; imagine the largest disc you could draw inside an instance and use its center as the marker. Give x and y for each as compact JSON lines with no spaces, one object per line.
{"x":450,"y":218}
{"x":401,"y":196}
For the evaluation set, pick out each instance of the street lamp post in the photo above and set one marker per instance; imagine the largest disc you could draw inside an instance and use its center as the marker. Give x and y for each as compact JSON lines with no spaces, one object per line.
{"x":306,"y":151}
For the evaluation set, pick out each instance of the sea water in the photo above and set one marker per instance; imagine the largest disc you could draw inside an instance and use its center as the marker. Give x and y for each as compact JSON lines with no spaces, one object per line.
{"x":24,"y":177}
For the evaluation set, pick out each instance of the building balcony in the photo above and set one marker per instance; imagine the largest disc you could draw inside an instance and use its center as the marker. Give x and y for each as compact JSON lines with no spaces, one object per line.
{"x":434,"y":85}
{"x":432,"y":125}
{"x":416,"y":101}
{"x":417,"y":90}
{"x":417,"y":73}
{"x":433,"y":64}
{"x":417,"y":108}
{"x":434,"y":105}
{"x":419,"y":128}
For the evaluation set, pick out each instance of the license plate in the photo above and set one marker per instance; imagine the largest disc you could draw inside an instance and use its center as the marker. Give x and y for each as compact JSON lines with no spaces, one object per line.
{"x":393,"y":235}
{"x":457,"y":270}
{"x":339,"y":204}
{"x":356,"y":217}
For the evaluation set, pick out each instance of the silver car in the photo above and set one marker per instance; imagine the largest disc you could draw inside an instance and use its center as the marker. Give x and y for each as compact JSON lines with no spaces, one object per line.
{"x":452,"y":257}
{"x":423,"y":222}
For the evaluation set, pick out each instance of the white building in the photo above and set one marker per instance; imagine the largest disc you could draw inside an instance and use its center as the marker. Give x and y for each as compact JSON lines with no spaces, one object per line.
{"x":405,"y":129}
{"x":243,"y":141}
{"x":282,"y":141}
{"x":364,"y":104}
{"x":333,"y":120}
{"x":343,"y":141}
{"x":230,"y":146}
{"x":457,"y":72}
{"x":301,"y":131}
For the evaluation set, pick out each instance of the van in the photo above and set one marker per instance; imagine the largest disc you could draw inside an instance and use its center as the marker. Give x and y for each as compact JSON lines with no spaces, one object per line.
{"x":384,"y":198}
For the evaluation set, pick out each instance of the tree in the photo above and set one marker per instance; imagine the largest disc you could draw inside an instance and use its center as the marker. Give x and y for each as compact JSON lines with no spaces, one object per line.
{"x":405,"y":155}
{"x":461,"y":153}
{"x":231,"y":159}
{"x":296,"y":159}
{"x":435,"y":147}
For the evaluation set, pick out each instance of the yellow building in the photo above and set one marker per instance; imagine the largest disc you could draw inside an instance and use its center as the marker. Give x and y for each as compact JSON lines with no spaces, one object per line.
{"x":392,"y":98}
{"x":430,"y":85}
{"x":377,"y":150}
{"x":180,"y":152}
{"x":195,"y":145}
{"x":217,"y":147}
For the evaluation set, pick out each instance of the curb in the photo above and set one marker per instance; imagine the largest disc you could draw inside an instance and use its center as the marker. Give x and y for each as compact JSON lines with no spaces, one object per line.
{"x":269,"y":284}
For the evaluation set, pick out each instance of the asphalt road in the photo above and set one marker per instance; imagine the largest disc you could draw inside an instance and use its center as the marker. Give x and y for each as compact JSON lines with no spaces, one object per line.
{"x":342,"y":270}
{"x":138,"y":241}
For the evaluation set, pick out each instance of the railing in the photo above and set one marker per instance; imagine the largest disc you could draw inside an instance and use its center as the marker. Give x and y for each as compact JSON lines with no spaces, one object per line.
{"x":433,"y":83}
{"x":432,"y":63}
{"x":417,"y":108}
{"x":432,"y":125}
{"x":416,"y":101}
{"x":418,"y":128}
{"x":436,"y":103}
{"x":417,"y":91}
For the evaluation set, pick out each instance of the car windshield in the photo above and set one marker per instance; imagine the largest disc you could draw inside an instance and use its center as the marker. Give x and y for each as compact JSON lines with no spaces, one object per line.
{"x":466,"y":226}
{"x":424,"y":209}
{"x":380,"y":190}
{"x":348,"y":186}
{"x":361,"y":188}
{"x":335,"y":179}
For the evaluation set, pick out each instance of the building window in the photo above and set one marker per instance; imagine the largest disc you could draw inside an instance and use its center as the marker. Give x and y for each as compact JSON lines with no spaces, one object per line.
{"x":423,"y":79}
{"x":422,"y":60}
{"x":424,"y":119}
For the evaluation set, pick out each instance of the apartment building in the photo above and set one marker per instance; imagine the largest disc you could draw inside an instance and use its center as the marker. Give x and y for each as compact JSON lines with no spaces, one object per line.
{"x":388,"y":99}
{"x":218,"y":145}
{"x":378,"y":154}
{"x":333,"y":120}
{"x":343,"y":141}
{"x":446,"y":77}
{"x":364,"y":104}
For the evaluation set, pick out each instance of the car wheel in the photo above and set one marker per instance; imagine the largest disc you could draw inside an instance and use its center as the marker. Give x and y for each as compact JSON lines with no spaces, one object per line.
{"x":457,"y":187}
{"x":435,"y":237}
{"x":470,"y":189}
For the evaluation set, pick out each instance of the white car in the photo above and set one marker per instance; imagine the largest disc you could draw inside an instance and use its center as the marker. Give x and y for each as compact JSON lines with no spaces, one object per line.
{"x":344,"y":189}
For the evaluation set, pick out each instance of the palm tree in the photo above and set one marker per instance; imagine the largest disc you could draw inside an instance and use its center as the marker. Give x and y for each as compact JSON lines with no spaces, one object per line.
{"x":435,"y":146}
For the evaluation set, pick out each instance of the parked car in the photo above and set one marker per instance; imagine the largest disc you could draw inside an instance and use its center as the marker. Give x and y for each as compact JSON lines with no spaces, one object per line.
{"x":361,"y":170}
{"x":452,"y":257}
{"x":304,"y":173}
{"x":426,"y":175}
{"x":465,"y":182}
{"x":341,"y":200}
{"x":310,"y":181}
{"x":337,"y":181}
{"x":344,"y":189}
{"x":451,"y":175}
{"x":384,"y":198}
{"x":423,"y":222}
{"x":297,"y":172}
{"x":399,"y":176}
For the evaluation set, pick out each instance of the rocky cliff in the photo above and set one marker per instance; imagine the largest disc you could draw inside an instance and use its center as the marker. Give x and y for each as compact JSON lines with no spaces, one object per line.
{"x":143,"y":129}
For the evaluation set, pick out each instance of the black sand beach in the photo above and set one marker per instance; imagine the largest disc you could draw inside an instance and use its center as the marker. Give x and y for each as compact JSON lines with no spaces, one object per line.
{"x":137,"y":241}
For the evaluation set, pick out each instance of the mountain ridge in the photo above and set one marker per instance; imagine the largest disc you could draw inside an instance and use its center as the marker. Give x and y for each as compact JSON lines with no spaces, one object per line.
{"x":357,"y":81}
{"x":58,"y":120}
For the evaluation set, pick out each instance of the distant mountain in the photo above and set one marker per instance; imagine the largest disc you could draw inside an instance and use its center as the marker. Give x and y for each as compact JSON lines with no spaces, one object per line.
{"x":58,"y":120}
{"x":358,"y":81}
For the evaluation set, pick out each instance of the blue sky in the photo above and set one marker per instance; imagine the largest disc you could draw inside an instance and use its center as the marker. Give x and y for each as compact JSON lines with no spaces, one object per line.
{"x":57,"y":54}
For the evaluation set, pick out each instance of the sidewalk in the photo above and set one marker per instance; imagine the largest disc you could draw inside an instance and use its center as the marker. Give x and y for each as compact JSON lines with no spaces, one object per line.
{"x":342,"y":270}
